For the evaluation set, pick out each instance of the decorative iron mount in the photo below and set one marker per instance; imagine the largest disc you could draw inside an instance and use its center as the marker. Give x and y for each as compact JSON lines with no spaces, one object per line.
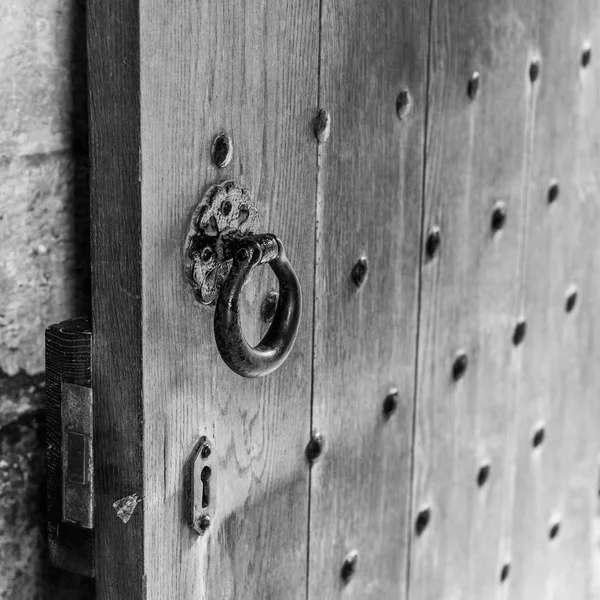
{"x":220,"y":252}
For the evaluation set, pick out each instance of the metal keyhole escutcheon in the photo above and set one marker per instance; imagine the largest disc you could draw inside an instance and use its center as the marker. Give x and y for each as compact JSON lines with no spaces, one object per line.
{"x":221,"y":251}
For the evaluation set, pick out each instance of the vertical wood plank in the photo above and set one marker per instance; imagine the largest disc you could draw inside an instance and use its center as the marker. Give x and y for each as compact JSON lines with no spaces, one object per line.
{"x":555,"y":489}
{"x":113,"y":54}
{"x":369,"y":204}
{"x":249,"y":69}
{"x":478,"y":146}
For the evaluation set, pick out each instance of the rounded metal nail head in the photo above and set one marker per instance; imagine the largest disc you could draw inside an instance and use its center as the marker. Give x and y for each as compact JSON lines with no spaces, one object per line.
{"x":586,"y":56}
{"x":360,"y":271}
{"x":519,"y":332}
{"x":498,"y":216}
{"x":322,"y":126}
{"x":422,"y":521}
{"x":554,"y":530}
{"x":459,"y":368}
{"x":349,"y":566}
{"x":403,"y":104}
{"x":226,"y":208}
{"x":483,"y":474}
{"x":204,"y":523}
{"x":473,"y":85}
{"x":242,"y":255}
{"x":534,"y":70}
{"x":390,"y":403}
{"x":434,"y":239}
{"x":222,"y":150}
{"x":538,"y":437}
{"x":571,"y":300}
{"x":314,"y":448}
{"x":206,"y":255}
{"x":553,"y":191}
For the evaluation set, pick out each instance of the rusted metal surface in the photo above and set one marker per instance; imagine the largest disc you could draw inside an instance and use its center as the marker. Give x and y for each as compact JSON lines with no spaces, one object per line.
{"x":360,"y":271}
{"x":349,"y":566}
{"x":403,"y":104}
{"x":77,"y":455}
{"x":225,"y":208}
{"x":68,"y":361}
{"x":314,"y":448}
{"x":277,"y":343}
{"x":322,"y":126}
{"x":222,"y":150}
{"x":220,"y":253}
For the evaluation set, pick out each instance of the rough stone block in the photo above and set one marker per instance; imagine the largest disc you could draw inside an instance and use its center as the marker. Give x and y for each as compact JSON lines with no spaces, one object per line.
{"x":43,"y":255}
{"x":42,"y":55}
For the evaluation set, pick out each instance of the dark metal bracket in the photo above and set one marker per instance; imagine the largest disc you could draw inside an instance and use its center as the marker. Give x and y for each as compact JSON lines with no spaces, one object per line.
{"x":225,"y":213}
{"x":201,"y":486}
{"x":69,"y":446}
{"x":221,"y":250}
{"x":77,"y":455}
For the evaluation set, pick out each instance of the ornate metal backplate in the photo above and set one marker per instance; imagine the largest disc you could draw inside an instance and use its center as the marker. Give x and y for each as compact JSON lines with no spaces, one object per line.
{"x":225,"y":211}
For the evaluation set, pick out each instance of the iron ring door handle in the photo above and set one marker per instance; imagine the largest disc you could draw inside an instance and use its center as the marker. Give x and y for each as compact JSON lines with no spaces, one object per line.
{"x":221,"y":250}
{"x":275,"y":346}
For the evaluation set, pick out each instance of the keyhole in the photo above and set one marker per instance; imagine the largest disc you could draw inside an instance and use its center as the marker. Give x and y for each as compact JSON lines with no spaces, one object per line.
{"x":205,"y":478}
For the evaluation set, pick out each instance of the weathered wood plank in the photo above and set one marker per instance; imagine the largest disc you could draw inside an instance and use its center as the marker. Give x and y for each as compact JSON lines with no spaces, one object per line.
{"x":248,"y":69}
{"x":68,"y":359}
{"x":478,"y":145}
{"x":113,"y":51}
{"x":373,"y":79}
{"x":164,"y":82}
{"x":556,"y":478}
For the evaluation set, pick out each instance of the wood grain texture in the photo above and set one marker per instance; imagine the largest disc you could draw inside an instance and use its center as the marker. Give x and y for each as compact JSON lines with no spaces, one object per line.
{"x":113,"y":54}
{"x":478,"y":149}
{"x":248,"y":69}
{"x":369,"y":203}
{"x":558,"y":386}
{"x":410,"y":146}
{"x":68,"y":359}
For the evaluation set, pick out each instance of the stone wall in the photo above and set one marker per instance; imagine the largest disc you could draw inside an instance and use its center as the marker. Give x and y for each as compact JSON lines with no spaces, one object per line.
{"x":44,"y":263}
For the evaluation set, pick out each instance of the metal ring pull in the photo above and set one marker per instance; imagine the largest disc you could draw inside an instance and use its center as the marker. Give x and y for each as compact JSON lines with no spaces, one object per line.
{"x":277,"y":343}
{"x":221,"y":251}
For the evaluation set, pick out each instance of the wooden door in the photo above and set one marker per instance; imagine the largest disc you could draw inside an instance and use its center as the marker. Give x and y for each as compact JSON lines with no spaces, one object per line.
{"x":505,"y":459}
{"x":430,"y":170}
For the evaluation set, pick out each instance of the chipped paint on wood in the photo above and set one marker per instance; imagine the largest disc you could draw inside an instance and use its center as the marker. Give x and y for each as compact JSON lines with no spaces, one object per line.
{"x":125,"y":507}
